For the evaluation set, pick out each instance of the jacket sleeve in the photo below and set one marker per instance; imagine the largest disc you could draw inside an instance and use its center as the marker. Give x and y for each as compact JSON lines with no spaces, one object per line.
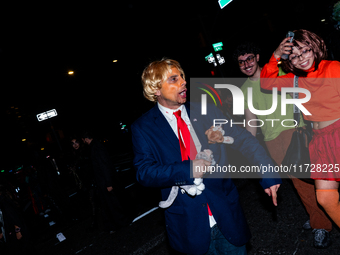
{"x":270,"y":76}
{"x":253,"y":151}
{"x":153,"y":171}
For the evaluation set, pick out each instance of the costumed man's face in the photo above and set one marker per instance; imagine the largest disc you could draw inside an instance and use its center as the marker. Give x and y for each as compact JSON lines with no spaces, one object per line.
{"x":248,"y":63}
{"x":173,"y":92}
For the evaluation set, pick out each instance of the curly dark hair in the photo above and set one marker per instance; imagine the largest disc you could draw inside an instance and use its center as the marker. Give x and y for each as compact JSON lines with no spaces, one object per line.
{"x":246,"y":48}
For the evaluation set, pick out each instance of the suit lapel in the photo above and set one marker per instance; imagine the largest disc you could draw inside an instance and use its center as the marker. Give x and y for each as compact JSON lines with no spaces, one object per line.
{"x":188,"y":109}
{"x":165,"y":128}
{"x":198,"y":124}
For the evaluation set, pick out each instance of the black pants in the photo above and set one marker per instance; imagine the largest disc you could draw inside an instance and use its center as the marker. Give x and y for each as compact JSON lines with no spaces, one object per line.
{"x":114,"y":216}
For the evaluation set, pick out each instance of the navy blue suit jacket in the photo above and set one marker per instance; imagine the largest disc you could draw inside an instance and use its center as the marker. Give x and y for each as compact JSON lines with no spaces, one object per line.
{"x":158,"y":163}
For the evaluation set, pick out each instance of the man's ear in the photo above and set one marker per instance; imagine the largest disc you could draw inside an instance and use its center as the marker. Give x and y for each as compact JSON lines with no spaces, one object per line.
{"x":258,"y":57}
{"x":158,"y":92}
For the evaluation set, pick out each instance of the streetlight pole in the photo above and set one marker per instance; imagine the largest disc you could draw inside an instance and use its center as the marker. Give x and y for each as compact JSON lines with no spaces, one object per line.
{"x":47,"y":116}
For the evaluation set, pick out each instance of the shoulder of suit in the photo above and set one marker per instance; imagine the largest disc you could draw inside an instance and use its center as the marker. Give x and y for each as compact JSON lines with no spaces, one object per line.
{"x":149,"y":115}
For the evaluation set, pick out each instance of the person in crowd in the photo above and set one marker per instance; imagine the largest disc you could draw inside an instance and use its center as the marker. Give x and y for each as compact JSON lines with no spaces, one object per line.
{"x":277,"y":137}
{"x":2,"y":238}
{"x":34,"y":190}
{"x":107,"y":186}
{"x":80,"y":167}
{"x":333,"y":28}
{"x":307,"y":60}
{"x":212,"y":222}
{"x":16,"y":232}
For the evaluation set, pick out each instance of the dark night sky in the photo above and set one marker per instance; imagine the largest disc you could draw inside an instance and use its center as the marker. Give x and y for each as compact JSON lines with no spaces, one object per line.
{"x":39,"y":43}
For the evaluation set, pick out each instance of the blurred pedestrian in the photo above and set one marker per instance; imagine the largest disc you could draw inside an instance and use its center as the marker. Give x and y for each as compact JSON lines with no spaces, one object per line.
{"x":212,"y":222}
{"x":276,"y":136}
{"x":16,"y":233}
{"x":34,"y":190}
{"x":333,"y":37}
{"x":307,"y":60}
{"x":81,"y":169}
{"x":107,"y":185}
{"x":2,"y":236}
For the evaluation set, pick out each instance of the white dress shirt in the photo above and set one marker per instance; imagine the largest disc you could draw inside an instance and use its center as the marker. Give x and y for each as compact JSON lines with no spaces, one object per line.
{"x":172,"y":120}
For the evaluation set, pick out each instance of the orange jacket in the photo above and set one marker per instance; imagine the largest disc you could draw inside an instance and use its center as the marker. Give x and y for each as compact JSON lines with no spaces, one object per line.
{"x":323,"y":84}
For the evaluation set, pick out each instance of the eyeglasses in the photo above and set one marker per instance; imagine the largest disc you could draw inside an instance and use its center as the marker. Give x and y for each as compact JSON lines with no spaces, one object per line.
{"x":294,"y":58}
{"x":249,"y":60}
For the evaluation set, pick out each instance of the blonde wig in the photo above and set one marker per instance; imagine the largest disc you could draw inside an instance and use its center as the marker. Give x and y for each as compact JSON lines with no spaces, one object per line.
{"x":155,"y":74}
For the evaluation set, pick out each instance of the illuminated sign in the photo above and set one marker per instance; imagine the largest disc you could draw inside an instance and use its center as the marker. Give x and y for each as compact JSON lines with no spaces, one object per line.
{"x":211,"y":59}
{"x":47,"y":115}
{"x":224,"y":3}
{"x":220,"y":59}
{"x":217,"y":46}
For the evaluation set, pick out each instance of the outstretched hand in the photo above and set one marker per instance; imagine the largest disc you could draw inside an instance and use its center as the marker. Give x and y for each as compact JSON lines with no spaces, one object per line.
{"x":272,"y":192}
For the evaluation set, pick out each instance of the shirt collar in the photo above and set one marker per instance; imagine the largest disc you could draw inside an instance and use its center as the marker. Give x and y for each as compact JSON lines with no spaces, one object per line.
{"x":311,"y":69}
{"x":169,"y":113}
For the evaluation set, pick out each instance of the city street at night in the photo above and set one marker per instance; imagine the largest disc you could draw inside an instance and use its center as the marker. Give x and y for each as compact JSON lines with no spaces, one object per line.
{"x":83,"y":165}
{"x":274,"y":231}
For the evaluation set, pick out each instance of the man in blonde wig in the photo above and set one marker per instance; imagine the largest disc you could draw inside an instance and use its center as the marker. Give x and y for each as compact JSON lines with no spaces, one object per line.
{"x":210,"y":223}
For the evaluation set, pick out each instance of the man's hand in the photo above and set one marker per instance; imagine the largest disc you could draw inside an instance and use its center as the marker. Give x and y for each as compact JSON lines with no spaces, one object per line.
{"x":272,"y":191}
{"x":200,"y":167}
{"x":109,"y":189}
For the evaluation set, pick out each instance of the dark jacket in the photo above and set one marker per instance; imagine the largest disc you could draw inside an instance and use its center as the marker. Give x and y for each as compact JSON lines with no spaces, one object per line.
{"x":159,"y":164}
{"x":102,"y":164}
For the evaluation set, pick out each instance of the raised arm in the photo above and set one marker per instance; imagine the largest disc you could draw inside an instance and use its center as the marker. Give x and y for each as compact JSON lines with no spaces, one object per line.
{"x":270,"y":72}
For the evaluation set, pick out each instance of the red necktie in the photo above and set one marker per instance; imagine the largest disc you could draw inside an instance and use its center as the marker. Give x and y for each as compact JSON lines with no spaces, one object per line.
{"x":188,"y":149}
{"x":190,"y":152}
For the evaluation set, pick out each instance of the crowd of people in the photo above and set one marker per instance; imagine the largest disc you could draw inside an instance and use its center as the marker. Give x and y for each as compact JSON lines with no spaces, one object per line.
{"x":167,"y":138}
{"x":37,"y":189}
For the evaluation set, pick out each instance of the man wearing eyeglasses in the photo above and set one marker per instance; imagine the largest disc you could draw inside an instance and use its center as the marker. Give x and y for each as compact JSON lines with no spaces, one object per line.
{"x":247,"y":56}
{"x":276,"y":136}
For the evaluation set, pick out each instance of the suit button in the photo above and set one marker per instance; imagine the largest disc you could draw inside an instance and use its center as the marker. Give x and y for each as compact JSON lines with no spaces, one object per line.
{"x":203,"y":205}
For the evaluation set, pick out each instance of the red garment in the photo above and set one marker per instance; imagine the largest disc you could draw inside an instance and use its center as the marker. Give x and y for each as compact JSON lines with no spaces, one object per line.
{"x":324,"y":104}
{"x":191,"y":151}
{"x":324,"y":151}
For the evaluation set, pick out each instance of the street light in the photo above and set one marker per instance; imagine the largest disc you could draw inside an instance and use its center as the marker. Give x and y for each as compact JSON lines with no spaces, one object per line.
{"x":70,"y":72}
